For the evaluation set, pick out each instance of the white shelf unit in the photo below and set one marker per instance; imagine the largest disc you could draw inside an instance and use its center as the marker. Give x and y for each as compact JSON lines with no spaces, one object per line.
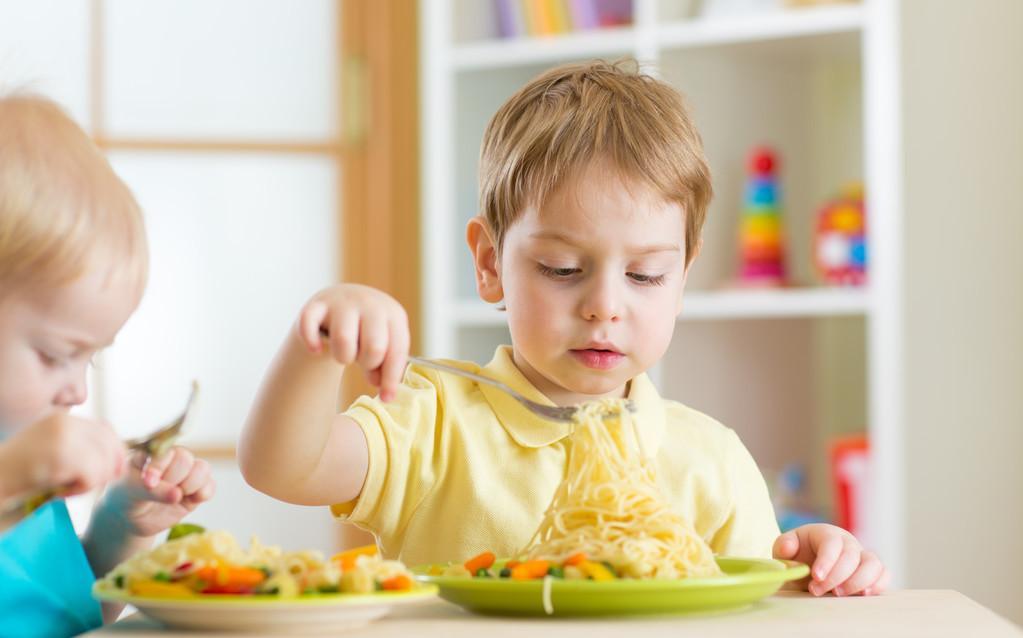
{"x":820,"y":84}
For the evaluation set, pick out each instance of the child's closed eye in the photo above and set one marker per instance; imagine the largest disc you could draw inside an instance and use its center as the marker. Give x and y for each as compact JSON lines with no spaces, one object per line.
{"x":51,"y":360}
{"x":646,"y":280}
{"x":556,"y":273}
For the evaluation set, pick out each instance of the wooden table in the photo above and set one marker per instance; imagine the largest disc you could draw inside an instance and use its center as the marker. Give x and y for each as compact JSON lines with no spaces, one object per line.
{"x":930,"y":613}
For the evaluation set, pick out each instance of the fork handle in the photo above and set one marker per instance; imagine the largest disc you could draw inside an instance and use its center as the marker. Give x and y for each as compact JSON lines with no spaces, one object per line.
{"x":464,"y":373}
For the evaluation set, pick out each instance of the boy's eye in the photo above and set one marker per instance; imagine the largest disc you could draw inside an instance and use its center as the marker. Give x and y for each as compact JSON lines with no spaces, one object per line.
{"x":50,"y":360}
{"x":650,"y":280}
{"x":557,"y":273}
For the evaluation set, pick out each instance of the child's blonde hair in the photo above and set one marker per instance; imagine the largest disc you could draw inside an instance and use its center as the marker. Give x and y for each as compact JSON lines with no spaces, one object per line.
{"x":63,"y":210}
{"x":575,"y":114}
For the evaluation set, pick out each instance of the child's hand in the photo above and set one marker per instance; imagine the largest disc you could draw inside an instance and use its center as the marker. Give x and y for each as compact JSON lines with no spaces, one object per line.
{"x":362,"y":325}
{"x":62,"y":452}
{"x":838,"y":563}
{"x":157,"y":494}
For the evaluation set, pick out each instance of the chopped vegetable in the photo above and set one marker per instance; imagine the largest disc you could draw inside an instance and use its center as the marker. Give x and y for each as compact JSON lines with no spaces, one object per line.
{"x":228,"y":577}
{"x":505,"y":573}
{"x":575,"y":559}
{"x":346,"y":559}
{"x":483,"y":561}
{"x":184,"y":529}
{"x":530,"y":570}
{"x":401,"y":582}
{"x":596,"y":571}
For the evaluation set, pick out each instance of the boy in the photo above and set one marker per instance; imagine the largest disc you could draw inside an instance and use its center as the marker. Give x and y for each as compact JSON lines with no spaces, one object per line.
{"x":593,"y":191}
{"x":73,"y":264}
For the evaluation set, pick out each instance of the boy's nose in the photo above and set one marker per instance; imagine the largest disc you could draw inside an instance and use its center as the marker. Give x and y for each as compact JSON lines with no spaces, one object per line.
{"x":74,"y":392}
{"x":603,"y":301}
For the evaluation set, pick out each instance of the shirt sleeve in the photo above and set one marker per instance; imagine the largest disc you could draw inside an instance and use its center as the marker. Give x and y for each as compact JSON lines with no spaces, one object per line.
{"x":750,"y":528}
{"x":400,"y":438}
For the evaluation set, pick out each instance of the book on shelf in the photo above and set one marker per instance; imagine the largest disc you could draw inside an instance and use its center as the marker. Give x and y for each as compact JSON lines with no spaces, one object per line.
{"x":522,"y":18}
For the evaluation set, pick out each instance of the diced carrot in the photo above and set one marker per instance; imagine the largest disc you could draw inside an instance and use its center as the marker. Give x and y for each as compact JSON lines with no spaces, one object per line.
{"x":512,"y":564}
{"x":575,"y":559}
{"x":483,"y":561}
{"x":401,"y":582}
{"x":530,"y":570}
{"x":346,"y":559}
{"x":234,"y":577}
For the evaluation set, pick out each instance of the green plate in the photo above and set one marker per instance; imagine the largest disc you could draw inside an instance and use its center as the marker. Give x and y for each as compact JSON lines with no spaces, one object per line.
{"x":316,"y":613}
{"x":746,"y":580}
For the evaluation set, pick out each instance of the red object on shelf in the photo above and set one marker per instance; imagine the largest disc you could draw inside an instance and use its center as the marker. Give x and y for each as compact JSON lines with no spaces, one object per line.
{"x":850,"y":472}
{"x":762,"y":161}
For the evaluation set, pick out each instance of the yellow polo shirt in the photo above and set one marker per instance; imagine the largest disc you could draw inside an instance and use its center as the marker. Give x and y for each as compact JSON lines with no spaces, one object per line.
{"x":457,"y":468}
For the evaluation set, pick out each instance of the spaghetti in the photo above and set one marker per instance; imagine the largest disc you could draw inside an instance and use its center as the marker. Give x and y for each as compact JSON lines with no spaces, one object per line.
{"x":609,"y":508}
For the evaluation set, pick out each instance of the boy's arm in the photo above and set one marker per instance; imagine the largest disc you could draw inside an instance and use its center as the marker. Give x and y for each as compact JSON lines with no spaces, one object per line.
{"x":295,"y":446}
{"x":108,"y":542}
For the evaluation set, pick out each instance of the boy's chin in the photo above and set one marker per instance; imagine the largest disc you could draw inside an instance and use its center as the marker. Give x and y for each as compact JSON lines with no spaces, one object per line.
{"x":597,"y":384}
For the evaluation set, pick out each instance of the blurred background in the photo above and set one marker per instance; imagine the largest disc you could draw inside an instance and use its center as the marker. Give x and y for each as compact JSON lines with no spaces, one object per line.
{"x":856,"y":314}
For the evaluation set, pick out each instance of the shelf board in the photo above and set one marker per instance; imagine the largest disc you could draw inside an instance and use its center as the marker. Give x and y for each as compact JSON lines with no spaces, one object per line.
{"x":791,"y":303}
{"x":699,"y":32}
{"x":775,"y":303}
{"x":523,"y":51}
{"x":761,"y":27}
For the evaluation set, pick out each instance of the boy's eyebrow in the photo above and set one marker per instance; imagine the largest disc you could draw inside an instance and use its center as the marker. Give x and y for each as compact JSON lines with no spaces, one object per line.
{"x":643,"y":250}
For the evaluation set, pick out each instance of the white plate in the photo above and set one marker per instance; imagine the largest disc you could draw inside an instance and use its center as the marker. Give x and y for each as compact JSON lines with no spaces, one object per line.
{"x":319,"y":613}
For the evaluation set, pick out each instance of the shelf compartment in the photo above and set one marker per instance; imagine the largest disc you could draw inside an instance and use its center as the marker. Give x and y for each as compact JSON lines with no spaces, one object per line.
{"x":583,"y":45}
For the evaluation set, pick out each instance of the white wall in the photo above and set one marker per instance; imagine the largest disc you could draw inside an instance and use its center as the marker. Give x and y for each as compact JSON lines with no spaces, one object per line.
{"x":963,"y":332}
{"x":238,"y":241}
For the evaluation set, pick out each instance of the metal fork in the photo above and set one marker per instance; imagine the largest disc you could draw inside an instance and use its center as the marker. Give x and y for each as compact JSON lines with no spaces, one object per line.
{"x":162,"y":439}
{"x":154,"y":444}
{"x":551,"y":412}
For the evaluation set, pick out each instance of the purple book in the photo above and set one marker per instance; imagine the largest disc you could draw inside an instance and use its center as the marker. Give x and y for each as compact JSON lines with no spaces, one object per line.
{"x":509,"y":18}
{"x":614,"y":13}
{"x":583,"y":14}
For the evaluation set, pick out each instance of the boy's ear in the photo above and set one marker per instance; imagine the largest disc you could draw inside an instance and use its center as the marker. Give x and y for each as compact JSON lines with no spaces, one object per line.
{"x":484,"y":257}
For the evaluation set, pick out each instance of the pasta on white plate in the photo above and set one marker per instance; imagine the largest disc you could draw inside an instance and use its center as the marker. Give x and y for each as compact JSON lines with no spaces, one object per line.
{"x":203,"y":562}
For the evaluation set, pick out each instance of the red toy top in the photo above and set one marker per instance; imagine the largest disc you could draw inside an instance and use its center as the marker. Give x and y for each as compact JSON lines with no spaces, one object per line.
{"x":762,"y":161}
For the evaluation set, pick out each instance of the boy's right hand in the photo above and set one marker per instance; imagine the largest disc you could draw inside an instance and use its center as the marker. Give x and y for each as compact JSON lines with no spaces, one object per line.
{"x":360,"y":325}
{"x":63,"y":452}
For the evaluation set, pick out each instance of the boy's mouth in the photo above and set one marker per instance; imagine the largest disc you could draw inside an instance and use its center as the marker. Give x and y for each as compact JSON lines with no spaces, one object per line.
{"x":598,"y":358}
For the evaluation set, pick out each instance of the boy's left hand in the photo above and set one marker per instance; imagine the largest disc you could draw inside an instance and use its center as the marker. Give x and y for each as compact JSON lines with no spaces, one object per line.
{"x":157,"y":493}
{"x":838,"y":563}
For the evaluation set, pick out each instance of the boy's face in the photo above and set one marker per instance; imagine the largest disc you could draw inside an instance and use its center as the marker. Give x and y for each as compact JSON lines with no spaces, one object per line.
{"x":48,"y":337}
{"x":592,"y":284}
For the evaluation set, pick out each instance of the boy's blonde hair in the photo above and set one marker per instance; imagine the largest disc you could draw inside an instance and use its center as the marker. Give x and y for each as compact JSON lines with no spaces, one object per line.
{"x":63,"y":210}
{"x":575,"y":114}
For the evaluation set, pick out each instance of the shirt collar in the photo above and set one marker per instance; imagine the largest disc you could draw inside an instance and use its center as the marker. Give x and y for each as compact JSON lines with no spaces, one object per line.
{"x":530,"y":430}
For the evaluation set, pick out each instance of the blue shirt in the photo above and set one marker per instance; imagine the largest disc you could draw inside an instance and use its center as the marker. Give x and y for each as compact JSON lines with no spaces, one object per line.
{"x":45,"y":578}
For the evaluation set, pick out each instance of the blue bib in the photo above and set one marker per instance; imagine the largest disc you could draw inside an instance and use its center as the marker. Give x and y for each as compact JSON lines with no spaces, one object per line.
{"x":45,"y":578}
